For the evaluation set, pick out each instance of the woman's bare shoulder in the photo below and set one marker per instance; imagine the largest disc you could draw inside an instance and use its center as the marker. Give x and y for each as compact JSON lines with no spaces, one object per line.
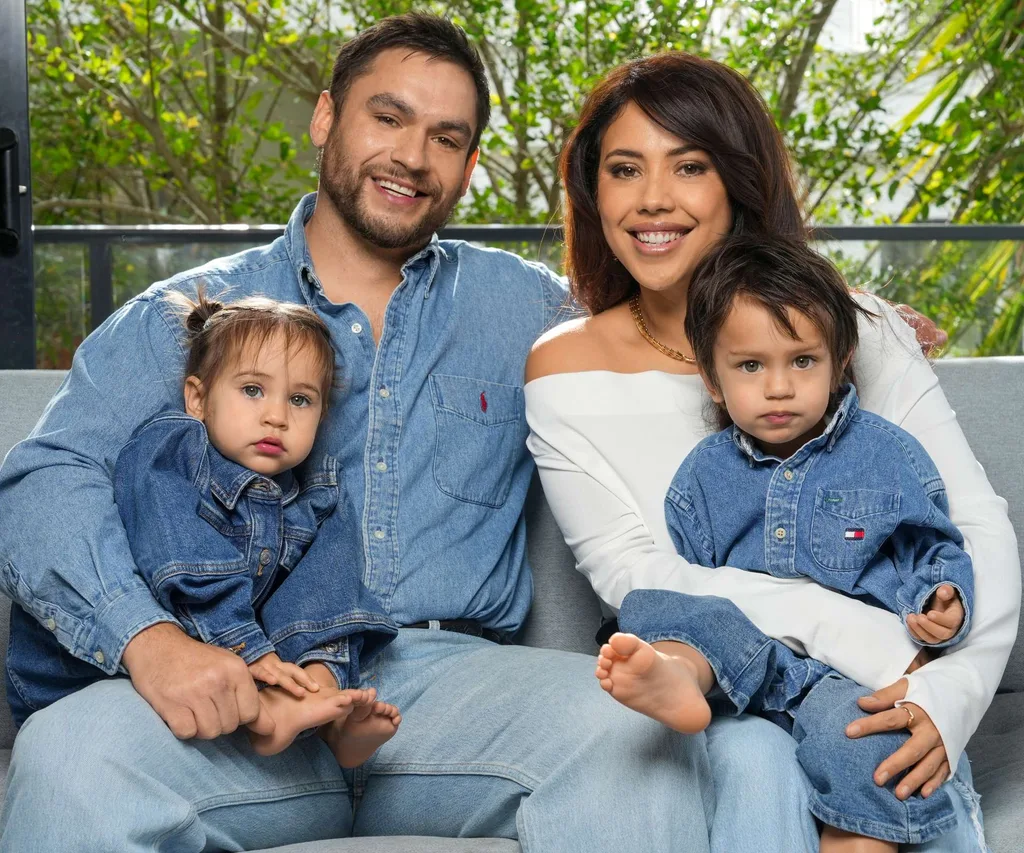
{"x":573,"y":347}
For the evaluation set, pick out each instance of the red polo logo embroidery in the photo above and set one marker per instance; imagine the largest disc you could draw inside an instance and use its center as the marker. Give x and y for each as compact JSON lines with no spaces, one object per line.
{"x":483,"y":402}
{"x":854,"y":533}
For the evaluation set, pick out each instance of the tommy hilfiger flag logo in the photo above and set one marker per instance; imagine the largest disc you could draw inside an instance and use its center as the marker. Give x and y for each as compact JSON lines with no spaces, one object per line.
{"x":854,"y":533}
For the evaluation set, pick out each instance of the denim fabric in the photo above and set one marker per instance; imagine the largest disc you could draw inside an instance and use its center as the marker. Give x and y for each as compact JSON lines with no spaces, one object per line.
{"x":428,"y":430}
{"x":759,"y":675}
{"x":753,"y":672}
{"x":496,"y":741}
{"x":843,"y":793}
{"x":217,"y":543}
{"x":861,"y":509}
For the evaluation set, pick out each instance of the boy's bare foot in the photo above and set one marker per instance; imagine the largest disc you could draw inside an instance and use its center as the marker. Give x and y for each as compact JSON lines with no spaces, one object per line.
{"x":357,"y":736}
{"x":294,"y":714}
{"x":665,"y":687}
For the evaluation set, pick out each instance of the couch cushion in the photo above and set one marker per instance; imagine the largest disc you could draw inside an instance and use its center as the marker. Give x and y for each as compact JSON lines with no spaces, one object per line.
{"x":987,"y":396}
{"x":997,"y":761}
{"x":565,"y":613}
{"x":402,"y":844}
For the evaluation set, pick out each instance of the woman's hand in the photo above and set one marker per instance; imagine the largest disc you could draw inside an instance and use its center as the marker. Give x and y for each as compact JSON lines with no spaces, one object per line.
{"x":929,"y":336}
{"x":923,"y":755}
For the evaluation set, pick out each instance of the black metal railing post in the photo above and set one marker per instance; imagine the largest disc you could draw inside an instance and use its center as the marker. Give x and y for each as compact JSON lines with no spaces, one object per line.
{"x":101,"y":282}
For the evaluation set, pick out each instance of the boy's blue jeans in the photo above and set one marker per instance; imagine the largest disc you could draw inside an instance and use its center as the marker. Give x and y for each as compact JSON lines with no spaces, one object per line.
{"x":760,"y":675}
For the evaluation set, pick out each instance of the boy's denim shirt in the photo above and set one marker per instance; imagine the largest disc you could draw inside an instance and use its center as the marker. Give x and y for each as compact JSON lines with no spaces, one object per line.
{"x":860,"y":509}
{"x":218,"y":543}
{"x":429,"y":431}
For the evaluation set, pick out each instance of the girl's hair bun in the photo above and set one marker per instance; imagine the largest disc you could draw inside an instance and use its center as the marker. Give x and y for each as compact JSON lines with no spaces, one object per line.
{"x":203,"y":309}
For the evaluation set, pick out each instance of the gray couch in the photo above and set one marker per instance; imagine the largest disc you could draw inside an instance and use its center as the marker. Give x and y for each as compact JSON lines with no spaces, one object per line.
{"x":988,"y":395}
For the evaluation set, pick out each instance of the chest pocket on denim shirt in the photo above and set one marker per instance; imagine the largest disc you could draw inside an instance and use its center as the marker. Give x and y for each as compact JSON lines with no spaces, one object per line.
{"x":851,"y":525}
{"x":480,"y":435}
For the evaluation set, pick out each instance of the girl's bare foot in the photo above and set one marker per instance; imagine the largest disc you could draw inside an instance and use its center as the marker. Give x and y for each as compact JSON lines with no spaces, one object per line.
{"x":354,"y":738}
{"x":665,"y":687}
{"x":293,"y":715}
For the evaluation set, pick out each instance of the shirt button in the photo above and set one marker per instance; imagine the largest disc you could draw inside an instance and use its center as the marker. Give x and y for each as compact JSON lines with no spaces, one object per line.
{"x":99,"y":657}
{"x":378,"y":534}
{"x":331,"y":647}
{"x":357,"y":328}
{"x":265,"y":557}
{"x":51,"y":624}
{"x":382,"y":466}
{"x":385,"y":393}
{"x":787,"y":474}
{"x":780,"y":533}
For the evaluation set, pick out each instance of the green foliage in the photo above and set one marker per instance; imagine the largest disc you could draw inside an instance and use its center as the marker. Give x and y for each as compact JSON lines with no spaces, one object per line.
{"x":193,"y":110}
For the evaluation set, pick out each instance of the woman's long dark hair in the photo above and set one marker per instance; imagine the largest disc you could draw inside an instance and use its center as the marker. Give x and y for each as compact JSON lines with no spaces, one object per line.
{"x":704,"y":103}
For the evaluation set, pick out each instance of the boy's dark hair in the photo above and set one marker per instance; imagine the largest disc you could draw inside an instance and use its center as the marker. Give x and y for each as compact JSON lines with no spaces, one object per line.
{"x":418,"y":32}
{"x":778,"y":274}
{"x":219,"y":332}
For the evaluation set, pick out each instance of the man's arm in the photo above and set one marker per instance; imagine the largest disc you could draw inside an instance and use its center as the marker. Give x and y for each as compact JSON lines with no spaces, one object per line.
{"x":63,"y":548}
{"x":64,"y":554}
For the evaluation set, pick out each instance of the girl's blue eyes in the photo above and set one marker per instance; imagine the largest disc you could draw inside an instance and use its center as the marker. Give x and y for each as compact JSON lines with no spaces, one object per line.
{"x":750,"y":366}
{"x":803,"y":361}
{"x":254,"y":392}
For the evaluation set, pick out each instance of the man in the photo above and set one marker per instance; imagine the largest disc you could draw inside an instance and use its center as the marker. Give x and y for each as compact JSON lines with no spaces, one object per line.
{"x":432,"y":337}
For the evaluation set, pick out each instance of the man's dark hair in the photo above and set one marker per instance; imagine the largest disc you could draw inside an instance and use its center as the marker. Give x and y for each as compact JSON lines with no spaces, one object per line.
{"x":777,"y":274}
{"x":417,"y":32}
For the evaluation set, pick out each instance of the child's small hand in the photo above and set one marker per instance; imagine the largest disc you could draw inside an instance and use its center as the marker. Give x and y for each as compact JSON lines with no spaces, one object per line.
{"x":941,"y":620}
{"x":270,"y":669}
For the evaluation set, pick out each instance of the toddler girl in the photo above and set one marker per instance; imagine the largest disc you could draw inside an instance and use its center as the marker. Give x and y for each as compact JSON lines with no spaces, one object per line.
{"x":246,"y":549}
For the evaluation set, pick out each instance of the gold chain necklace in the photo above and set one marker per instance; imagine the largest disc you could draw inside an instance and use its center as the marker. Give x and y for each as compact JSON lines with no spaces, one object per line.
{"x":638,"y":318}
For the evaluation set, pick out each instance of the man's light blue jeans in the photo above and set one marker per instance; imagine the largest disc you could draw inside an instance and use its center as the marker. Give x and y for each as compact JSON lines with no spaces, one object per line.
{"x":502,"y":741}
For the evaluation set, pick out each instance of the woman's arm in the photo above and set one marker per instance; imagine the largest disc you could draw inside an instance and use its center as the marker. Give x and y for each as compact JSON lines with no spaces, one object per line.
{"x":895,"y":381}
{"x":616,"y":551}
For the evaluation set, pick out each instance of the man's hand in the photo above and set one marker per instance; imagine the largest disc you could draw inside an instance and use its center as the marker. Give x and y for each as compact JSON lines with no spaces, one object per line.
{"x":929,"y":336}
{"x":941,"y":619}
{"x":198,"y":690}
{"x":270,"y":669}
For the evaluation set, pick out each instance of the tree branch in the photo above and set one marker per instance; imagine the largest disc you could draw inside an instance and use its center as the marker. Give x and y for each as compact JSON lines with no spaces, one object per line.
{"x":795,"y":77}
{"x":108,"y":206}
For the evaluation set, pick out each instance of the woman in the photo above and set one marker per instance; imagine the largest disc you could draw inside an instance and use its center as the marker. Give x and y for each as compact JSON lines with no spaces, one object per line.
{"x":671,"y":153}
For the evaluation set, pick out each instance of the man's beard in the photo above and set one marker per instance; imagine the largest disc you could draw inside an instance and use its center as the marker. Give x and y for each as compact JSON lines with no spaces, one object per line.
{"x":344,"y":185}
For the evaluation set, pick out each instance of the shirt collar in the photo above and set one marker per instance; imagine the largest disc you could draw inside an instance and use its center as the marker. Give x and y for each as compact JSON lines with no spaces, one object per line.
{"x":302,"y":262}
{"x":847,"y":408}
{"x":228,"y":480}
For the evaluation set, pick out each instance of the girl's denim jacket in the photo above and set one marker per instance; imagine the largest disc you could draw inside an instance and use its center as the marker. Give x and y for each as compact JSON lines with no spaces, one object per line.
{"x":860,"y":509}
{"x":249,"y":563}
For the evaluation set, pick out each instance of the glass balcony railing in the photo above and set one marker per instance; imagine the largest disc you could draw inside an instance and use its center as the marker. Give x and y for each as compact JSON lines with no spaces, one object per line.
{"x":970,"y":278}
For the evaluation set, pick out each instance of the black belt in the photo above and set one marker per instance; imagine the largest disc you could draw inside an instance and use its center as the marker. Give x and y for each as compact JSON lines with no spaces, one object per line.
{"x":604,"y":633}
{"x":466,"y":626}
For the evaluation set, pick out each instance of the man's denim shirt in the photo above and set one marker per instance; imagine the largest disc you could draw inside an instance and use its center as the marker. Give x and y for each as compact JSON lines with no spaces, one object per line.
{"x":216,"y":542}
{"x":861,"y":509}
{"x":429,"y":431}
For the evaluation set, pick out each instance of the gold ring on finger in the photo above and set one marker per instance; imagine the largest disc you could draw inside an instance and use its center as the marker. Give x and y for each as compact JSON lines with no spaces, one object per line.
{"x":911,"y":720}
